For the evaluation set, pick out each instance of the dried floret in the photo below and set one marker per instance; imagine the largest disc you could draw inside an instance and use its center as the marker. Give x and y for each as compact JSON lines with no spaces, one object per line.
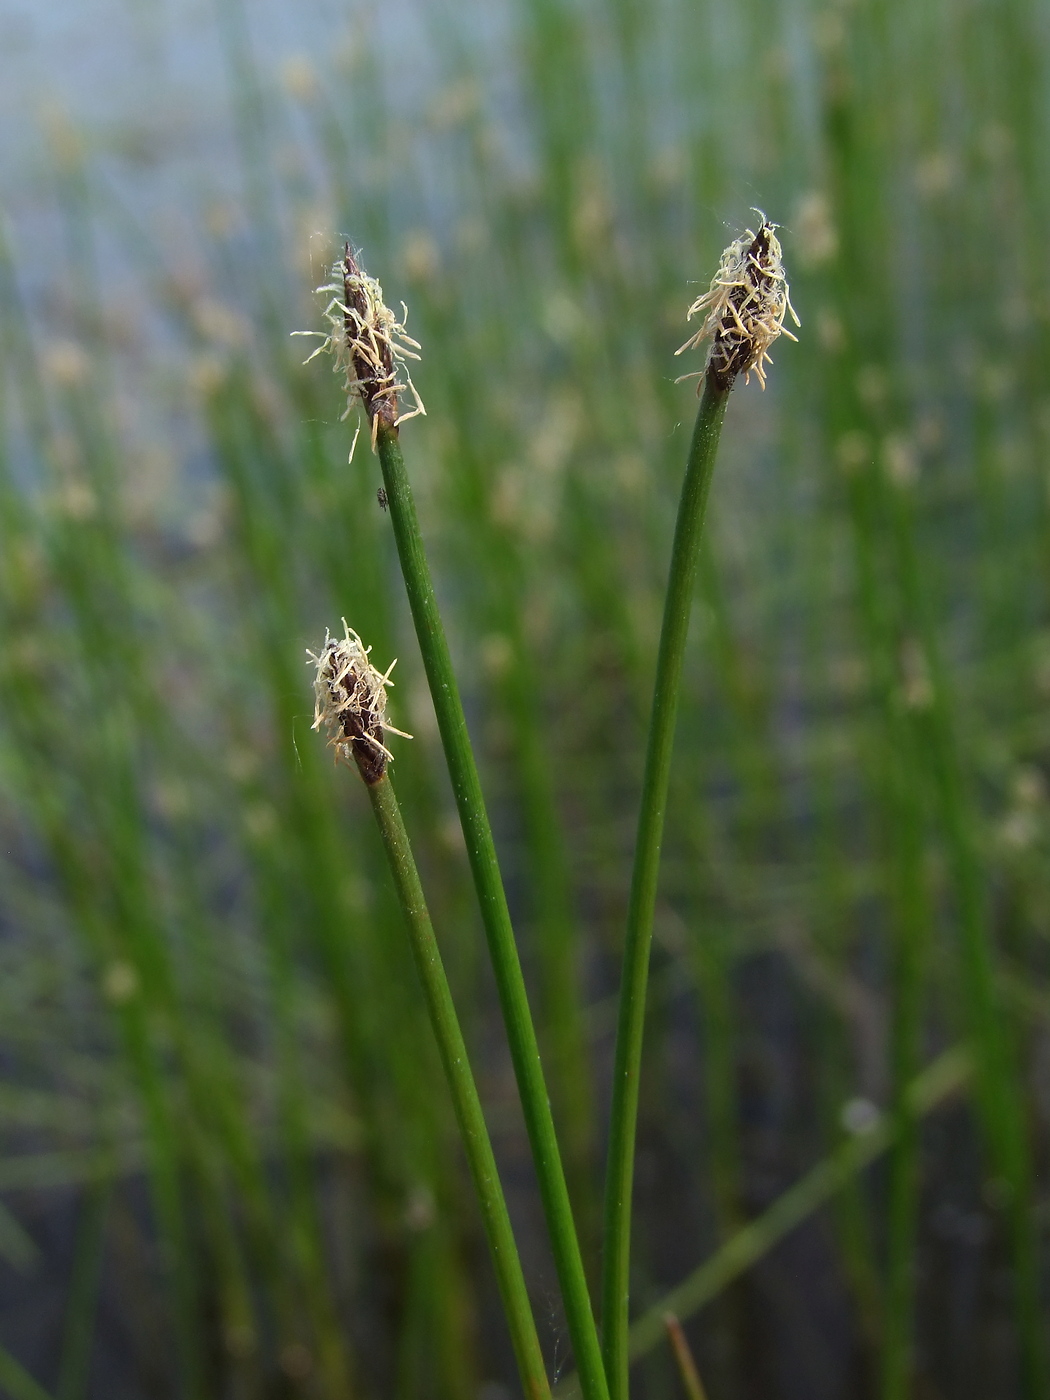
{"x":350,"y":702}
{"x":745,"y":308}
{"x":371,"y":347}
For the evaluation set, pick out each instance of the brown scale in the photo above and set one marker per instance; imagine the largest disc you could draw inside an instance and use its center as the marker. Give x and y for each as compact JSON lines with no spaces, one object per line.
{"x":361,"y":730}
{"x":377,"y":390}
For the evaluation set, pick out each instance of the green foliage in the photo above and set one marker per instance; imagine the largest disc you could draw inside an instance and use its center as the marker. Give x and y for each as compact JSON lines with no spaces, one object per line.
{"x":206,"y":985}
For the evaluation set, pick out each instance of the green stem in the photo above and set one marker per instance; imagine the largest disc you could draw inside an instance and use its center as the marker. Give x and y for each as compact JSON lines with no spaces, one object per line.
{"x":464,"y":1091}
{"x":17,"y":1381}
{"x":630,"y":1030}
{"x":488,"y":883}
{"x":927,"y":1091}
{"x":999,"y":1096}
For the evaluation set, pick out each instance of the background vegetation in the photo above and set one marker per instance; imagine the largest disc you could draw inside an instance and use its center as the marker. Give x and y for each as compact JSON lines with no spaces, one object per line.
{"x":228,"y":1163}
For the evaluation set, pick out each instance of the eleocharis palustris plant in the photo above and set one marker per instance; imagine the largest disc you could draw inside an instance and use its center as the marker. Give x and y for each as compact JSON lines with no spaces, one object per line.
{"x":350,"y":702}
{"x":745,"y":308}
{"x":371,"y":348}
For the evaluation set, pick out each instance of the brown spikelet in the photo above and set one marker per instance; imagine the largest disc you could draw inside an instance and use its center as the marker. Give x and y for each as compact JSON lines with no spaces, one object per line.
{"x":370,"y":346}
{"x":350,"y":702}
{"x":745,"y":307}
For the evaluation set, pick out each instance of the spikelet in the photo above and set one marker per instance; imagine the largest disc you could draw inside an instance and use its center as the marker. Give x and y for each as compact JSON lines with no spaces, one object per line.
{"x":745,"y":308}
{"x":370,"y":346}
{"x":350,"y":702}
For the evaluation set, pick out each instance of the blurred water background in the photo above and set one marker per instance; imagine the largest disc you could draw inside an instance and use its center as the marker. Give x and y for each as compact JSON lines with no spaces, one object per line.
{"x":227,"y":1163}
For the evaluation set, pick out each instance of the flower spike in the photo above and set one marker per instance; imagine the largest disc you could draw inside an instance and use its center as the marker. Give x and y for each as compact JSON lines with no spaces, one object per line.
{"x":350,"y":702}
{"x":746,"y":305}
{"x":370,"y":346}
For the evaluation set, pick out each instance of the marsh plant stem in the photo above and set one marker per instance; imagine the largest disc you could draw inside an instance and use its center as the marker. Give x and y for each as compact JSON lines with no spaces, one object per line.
{"x":684,"y":1359}
{"x":464,"y":1091}
{"x":488,"y":883}
{"x":634,"y":979}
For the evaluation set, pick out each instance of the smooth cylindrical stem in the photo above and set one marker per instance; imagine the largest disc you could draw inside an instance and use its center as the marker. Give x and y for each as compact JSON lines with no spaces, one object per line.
{"x":464,"y":1091}
{"x":481,"y":852}
{"x":634,"y":980}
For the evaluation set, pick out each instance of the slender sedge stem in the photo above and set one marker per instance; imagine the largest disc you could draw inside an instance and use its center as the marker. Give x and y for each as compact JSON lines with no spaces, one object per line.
{"x":942,"y":1078}
{"x":631,"y":1026}
{"x":464,"y":1091}
{"x":999,"y":1096}
{"x":926,"y":1092}
{"x":488,"y":883}
{"x":16,"y":1379}
{"x":684,"y":1359}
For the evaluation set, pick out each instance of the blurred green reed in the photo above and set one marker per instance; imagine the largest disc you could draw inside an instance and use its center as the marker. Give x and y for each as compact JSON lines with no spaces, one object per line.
{"x":213,"y":1040}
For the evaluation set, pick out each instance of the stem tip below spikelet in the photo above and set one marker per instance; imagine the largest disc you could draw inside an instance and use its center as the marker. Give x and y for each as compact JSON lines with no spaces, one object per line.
{"x":745,"y":307}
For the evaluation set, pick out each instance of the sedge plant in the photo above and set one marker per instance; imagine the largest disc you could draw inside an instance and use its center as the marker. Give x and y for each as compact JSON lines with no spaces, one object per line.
{"x":744,"y":312}
{"x":350,"y":702}
{"x":745,"y":309}
{"x":371,"y":349}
